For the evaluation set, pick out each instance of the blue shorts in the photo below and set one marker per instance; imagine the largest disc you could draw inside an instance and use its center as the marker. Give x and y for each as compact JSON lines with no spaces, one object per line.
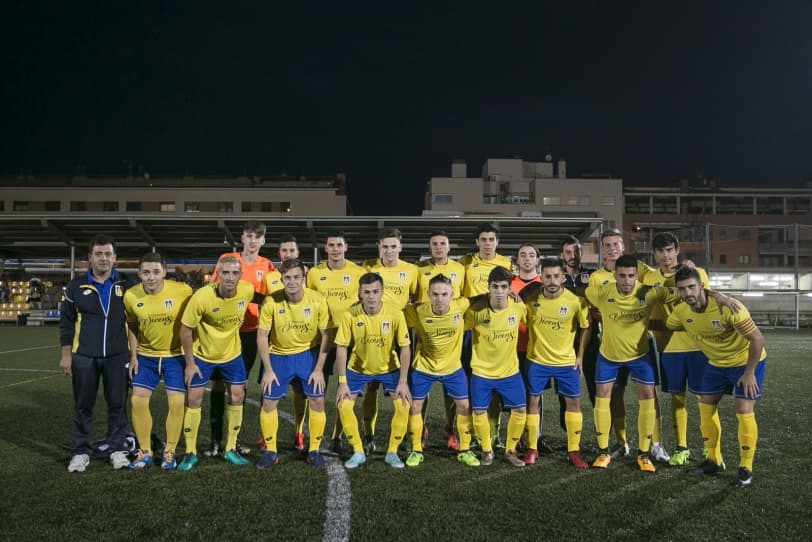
{"x":623,"y":375}
{"x":567,"y":379}
{"x":358,"y":381}
{"x":722,"y":380}
{"x":455,"y":385}
{"x":151,"y":369}
{"x":233,"y":372}
{"x":641,"y":370}
{"x":292,"y":367}
{"x":510,"y":389}
{"x":679,"y":367}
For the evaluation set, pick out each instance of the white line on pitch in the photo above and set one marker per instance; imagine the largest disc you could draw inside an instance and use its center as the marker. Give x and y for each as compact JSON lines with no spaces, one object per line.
{"x":28,"y":349}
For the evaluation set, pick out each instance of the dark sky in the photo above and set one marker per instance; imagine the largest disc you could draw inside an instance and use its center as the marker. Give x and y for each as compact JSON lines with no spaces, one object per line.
{"x":639,"y":90}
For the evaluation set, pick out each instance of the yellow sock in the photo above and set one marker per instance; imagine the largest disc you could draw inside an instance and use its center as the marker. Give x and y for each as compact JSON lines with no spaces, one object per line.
{"x":465,"y":430}
{"x":619,"y":425}
{"x":495,"y":416}
{"x":191,"y":424}
{"x":603,"y":421}
{"x":711,"y":429}
{"x":233,"y":420}
{"x":646,"y":420}
{"x":299,"y":410}
{"x":516,"y":422}
{"x":532,"y":430}
{"x":483,"y":431}
{"x":748,"y":436}
{"x":350,"y":424}
{"x":142,"y":421}
{"x":416,"y":431}
{"x":574,"y":421}
{"x":316,"y":421}
{"x":400,"y":420}
{"x":269,"y":424}
{"x":680,"y":414}
{"x":174,"y":420}
{"x":369,"y":408}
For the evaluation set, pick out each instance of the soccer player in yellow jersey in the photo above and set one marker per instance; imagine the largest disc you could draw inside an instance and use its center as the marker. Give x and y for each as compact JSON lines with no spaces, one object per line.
{"x":735,"y":349}
{"x":337,"y":280}
{"x":439,"y":326}
{"x":209,"y":335}
{"x":400,"y":287}
{"x":477,"y":268}
{"x":153,"y":310}
{"x":292,"y":321}
{"x":289,"y":250}
{"x":681,"y":360}
{"x":625,"y":314}
{"x":374,"y":330}
{"x":494,"y":320}
{"x":554,"y":317}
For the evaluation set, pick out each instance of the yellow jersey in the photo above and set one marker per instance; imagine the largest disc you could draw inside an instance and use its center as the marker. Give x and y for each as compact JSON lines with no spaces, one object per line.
{"x":439,"y":337}
{"x":157,"y":317}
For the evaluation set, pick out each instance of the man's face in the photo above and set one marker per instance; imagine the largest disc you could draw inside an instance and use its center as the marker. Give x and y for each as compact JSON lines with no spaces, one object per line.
{"x":336,"y":248}
{"x":692,"y":292}
{"x":293,"y":280}
{"x":152,"y":276}
{"x":101,"y":258}
{"x":571,"y":254}
{"x":527,"y":259}
{"x":498,"y":292}
{"x":438,"y":245}
{"x":551,"y":279}
{"x":440,"y":297}
{"x":389,"y":251}
{"x":288,"y":251}
{"x":487,"y":243}
{"x":612,"y":248}
{"x":252,"y":242}
{"x":370,"y":296}
{"x":626,"y":278}
{"x":666,"y":257}
{"x":229,"y":274}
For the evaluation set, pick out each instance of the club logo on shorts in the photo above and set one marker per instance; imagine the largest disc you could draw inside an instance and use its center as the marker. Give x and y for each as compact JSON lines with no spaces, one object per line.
{"x":168,"y":304}
{"x":346,"y":280}
{"x":386,"y":327}
{"x":511,"y":320}
{"x":241,"y":305}
{"x":716,"y":325}
{"x":308,"y":312}
{"x":562,"y":311}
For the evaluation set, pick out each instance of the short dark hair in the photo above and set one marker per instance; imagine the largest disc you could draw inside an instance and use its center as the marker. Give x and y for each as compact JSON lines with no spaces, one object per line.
{"x":370,"y":278}
{"x":438,"y":233}
{"x":531,"y":245}
{"x":627,"y":260}
{"x":335,"y":233}
{"x":292,"y":263}
{"x":288,"y":238}
{"x":389,"y":232}
{"x":439,"y":279}
{"x":570,"y":240}
{"x":499,"y":274}
{"x":152,"y":257}
{"x":255,"y":227}
{"x":685,"y":273}
{"x":664,"y":239}
{"x":99,"y":240}
{"x":552,"y":262}
{"x":487,"y":227}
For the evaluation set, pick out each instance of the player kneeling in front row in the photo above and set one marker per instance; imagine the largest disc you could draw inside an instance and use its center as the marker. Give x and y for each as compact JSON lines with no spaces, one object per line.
{"x":737,"y":360}
{"x":554,"y":316}
{"x":295,"y":319}
{"x":439,"y":326}
{"x":373,"y":330}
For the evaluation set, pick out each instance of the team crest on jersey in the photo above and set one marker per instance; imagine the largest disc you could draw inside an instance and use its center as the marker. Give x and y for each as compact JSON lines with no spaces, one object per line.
{"x":716,"y":325}
{"x":119,"y":290}
{"x":584,"y":277}
{"x":511,"y":320}
{"x":260,"y":272}
{"x":386,"y":327}
{"x":168,"y":304}
{"x":241,"y":305}
{"x":308,"y":312}
{"x":402,"y":276}
{"x":455,"y":319}
{"x":452,"y":276}
{"x":345,"y":280}
{"x":562,"y":311}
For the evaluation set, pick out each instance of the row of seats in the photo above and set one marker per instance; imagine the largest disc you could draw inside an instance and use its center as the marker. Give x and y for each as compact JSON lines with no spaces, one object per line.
{"x":9,"y":315}
{"x":15,"y":306}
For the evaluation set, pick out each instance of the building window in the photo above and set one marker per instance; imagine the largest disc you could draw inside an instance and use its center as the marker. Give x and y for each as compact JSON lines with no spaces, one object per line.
{"x":191,"y":207}
{"x":78,"y":206}
{"x":266,"y":206}
{"x":551,"y":200}
{"x":225,"y":206}
{"x":723,"y":235}
{"x":608,"y":201}
{"x":53,"y":206}
{"x":744,"y":235}
{"x":246,"y":207}
{"x":442,"y":198}
{"x":134,"y":206}
{"x":20,"y":205}
{"x":167,"y":206}
{"x":722,"y":259}
{"x":110,"y":206}
{"x":581,"y":201}
{"x":744,"y":258}
{"x":2,"y":205}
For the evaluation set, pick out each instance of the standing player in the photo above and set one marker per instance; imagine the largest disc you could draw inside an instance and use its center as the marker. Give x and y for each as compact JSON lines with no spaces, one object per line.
{"x":254,"y":268}
{"x":373,"y":330}
{"x":494,"y":320}
{"x":554,"y":317}
{"x":209,"y":335}
{"x":735,"y":348}
{"x":92,"y":332}
{"x":296,"y":320}
{"x":439,"y":326}
{"x":153,"y":311}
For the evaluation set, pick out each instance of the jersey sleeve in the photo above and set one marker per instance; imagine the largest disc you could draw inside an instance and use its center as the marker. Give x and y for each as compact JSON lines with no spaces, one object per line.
{"x":266,"y":314}
{"x":344,"y":334}
{"x":402,"y":330}
{"x":674,"y":322}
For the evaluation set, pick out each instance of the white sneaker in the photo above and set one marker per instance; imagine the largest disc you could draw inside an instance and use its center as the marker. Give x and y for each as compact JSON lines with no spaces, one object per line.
{"x":620,"y":449}
{"x":658,"y":453}
{"x":119,"y":460}
{"x":79,"y":463}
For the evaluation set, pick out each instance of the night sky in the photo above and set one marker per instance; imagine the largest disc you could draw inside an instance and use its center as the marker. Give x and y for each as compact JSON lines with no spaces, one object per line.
{"x":636,"y":90}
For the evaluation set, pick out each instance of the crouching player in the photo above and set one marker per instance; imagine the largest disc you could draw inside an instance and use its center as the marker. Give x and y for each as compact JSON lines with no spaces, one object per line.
{"x":153,"y":309}
{"x":296,"y":319}
{"x":554,"y":316}
{"x":373,"y":330}
{"x":439,"y":326}
{"x":735,"y":349}
{"x":494,"y":319}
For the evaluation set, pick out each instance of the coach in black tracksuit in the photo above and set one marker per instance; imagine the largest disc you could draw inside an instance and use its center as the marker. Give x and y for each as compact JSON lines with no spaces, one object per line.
{"x":93,"y":335}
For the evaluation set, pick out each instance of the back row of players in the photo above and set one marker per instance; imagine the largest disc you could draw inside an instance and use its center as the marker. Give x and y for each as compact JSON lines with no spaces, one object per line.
{"x":488,"y":347}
